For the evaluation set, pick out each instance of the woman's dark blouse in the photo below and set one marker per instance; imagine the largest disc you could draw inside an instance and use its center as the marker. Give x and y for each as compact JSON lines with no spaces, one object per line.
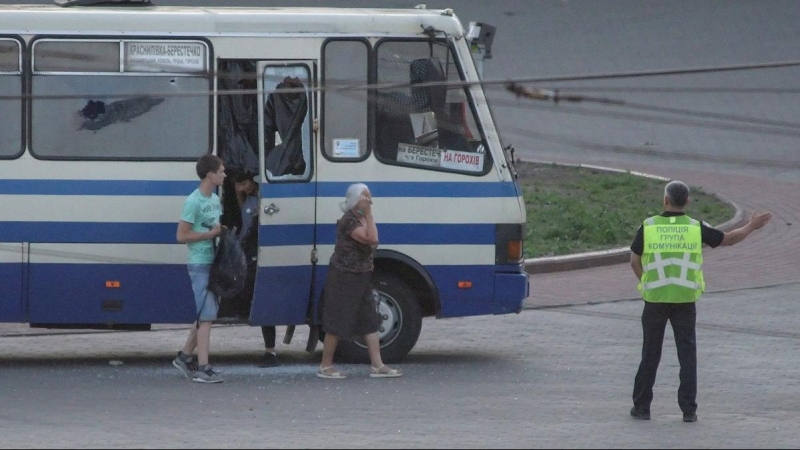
{"x":350,"y":255}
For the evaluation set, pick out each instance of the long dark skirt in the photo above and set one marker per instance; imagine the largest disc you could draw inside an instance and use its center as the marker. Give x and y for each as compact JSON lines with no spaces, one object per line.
{"x":348,"y":309}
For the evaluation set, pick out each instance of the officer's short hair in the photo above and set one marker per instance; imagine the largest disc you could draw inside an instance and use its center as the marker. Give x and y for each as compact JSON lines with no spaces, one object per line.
{"x":677,"y":192}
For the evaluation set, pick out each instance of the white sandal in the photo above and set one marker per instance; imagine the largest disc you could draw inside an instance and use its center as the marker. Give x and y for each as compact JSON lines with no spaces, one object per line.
{"x":384,"y":371}
{"x":330,"y":373}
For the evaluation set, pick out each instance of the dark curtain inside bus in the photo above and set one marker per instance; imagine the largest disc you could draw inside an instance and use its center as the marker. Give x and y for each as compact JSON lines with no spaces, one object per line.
{"x":284,"y":114}
{"x":237,"y":130}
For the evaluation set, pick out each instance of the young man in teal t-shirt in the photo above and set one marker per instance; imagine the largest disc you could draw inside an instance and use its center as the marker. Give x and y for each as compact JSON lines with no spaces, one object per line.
{"x":198,"y":227}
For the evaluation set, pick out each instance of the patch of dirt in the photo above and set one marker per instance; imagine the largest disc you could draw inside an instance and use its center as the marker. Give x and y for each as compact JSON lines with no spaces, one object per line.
{"x":545,"y":173}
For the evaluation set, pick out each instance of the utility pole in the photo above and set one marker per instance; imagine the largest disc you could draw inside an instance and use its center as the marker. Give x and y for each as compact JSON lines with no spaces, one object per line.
{"x":480,"y":37}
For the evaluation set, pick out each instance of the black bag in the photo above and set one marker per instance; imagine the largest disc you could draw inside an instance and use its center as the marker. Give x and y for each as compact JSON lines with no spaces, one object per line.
{"x":229,"y":269}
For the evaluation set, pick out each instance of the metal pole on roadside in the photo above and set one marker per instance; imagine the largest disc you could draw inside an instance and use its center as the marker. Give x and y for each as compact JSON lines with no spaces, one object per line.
{"x":480,"y":37}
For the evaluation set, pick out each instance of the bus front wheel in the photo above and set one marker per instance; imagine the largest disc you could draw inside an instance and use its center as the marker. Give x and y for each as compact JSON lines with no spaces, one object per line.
{"x":401,"y":322}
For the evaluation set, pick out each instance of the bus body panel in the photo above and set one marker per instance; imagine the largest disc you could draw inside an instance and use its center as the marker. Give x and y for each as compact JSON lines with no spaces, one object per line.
{"x":11,"y":280}
{"x":79,"y":294}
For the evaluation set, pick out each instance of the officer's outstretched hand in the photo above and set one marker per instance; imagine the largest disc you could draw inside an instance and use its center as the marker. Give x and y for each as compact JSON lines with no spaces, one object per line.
{"x":759,"y":220}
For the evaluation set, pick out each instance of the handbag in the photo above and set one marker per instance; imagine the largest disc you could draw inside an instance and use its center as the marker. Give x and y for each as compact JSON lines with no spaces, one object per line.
{"x":229,"y":269}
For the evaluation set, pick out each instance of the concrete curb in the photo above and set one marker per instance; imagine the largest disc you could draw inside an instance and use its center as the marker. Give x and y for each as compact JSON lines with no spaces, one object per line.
{"x":613,"y":256}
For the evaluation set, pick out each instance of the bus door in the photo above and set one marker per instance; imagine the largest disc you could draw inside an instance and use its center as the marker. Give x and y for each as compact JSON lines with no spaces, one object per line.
{"x":288,"y":192}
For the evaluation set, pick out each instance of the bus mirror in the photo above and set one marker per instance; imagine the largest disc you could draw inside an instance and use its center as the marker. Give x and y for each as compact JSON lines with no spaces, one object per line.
{"x":480,"y":37}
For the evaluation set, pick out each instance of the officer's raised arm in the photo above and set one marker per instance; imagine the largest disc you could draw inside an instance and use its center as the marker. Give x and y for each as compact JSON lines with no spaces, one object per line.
{"x":738,"y":235}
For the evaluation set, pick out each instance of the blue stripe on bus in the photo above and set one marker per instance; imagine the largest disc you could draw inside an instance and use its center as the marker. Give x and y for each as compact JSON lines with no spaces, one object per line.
{"x":390,"y":233}
{"x":97,"y":187}
{"x":270,"y":235}
{"x":283,"y":190}
{"x":89,"y":232}
{"x":424,"y":189}
{"x":75,"y":293}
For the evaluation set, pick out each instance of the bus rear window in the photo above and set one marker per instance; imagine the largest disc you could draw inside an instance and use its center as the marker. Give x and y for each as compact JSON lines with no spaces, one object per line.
{"x":431,"y":125}
{"x":150,"y":107}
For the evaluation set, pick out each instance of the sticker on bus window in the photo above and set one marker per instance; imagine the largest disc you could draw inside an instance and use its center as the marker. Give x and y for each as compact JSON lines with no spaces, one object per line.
{"x":176,"y":57}
{"x":418,"y":155}
{"x":444,"y":159}
{"x":346,"y":148}
{"x":466,"y":161}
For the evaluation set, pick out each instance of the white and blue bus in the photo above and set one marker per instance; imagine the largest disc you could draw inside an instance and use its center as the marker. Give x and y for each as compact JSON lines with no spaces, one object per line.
{"x":104,"y":110}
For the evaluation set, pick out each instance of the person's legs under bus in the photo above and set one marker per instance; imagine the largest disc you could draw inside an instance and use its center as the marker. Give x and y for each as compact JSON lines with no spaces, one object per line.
{"x":270,"y":358}
{"x":654,"y":322}
{"x":683,"y":319}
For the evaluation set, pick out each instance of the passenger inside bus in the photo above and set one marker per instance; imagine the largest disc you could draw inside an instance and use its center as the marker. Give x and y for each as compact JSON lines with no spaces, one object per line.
{"x":237,"y":126}
{"x":237,"y":145}
{"x":284,"y":114}
{"x":434,"y":99}
{"x":421,"y":118}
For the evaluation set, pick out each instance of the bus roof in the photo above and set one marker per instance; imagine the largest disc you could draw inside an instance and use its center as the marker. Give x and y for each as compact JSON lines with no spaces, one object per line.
{"x":209,"y":21}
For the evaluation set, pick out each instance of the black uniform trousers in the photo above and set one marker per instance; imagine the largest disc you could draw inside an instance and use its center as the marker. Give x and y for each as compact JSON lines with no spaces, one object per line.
{"x":682,"y":316}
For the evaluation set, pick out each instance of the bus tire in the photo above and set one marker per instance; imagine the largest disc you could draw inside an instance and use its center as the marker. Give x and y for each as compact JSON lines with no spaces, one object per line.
{"x":402,"y":323}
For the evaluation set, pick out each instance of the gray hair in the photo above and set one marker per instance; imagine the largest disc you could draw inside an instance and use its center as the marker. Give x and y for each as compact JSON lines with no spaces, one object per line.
{"x":353,"y":195}
{"x":677,"y":192}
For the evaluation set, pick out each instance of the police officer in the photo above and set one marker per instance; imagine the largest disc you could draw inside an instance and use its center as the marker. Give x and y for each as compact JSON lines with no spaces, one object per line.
{"x":667,"y":258}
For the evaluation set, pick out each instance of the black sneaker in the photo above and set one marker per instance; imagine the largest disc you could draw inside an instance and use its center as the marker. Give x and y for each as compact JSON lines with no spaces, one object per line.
{"x":187,"y":364}
{"x":639,"y":414}
{"x":690,"y":417}
{"x":269,"y":360}
{"x":205,"y":374}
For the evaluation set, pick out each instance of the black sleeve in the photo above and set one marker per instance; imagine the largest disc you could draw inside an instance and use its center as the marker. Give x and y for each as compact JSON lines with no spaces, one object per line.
{"x":638,"y":242}
{"x":711,"y":236}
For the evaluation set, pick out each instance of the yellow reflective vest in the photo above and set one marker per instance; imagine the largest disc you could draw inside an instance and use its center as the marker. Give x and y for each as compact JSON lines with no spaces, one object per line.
{"x":672,"y":260}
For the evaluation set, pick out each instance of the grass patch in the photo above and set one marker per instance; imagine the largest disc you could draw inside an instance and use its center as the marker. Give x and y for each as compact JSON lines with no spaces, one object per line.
{"x":573,"y":210}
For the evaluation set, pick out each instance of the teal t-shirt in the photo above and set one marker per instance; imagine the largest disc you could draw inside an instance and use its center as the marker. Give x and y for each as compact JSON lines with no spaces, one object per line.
{"x":203,"y":213}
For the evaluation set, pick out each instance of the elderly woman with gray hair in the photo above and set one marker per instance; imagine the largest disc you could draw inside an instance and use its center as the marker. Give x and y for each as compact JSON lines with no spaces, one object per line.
{"x":348,"y":307}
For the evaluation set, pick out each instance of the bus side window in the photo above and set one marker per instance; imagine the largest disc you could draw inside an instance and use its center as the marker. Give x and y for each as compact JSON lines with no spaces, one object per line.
{"x":284,"y":115}
{"x":10,"y":108}
{"x":345,"y":119}
{"x":421,"y":119}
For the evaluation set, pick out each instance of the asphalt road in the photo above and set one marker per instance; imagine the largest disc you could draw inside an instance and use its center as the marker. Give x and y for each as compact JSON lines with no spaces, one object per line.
{"x":546,"y":378}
